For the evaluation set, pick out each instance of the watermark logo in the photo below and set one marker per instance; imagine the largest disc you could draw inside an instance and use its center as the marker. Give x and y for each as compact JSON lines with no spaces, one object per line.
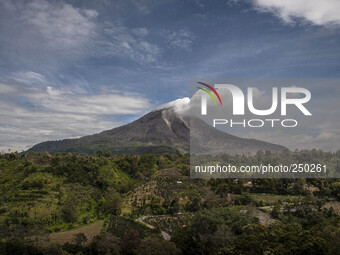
{"x":255,"y":127}
{"x":293,"y":96}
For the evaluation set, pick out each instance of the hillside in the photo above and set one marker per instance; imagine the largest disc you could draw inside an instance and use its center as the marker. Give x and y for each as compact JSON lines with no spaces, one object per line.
{"x":47,"y":200}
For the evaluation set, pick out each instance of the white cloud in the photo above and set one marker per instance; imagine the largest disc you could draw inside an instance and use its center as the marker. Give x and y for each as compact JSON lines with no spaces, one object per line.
{"x":61,"y":24}
{"x":317,"y":12}
{"x":28,"y":77}
{"x":60,"y":30}
{"x":141,"y":5}
{"x":29,"y":115}
{"x":181,"y":39}
{"x":140,"y":31}
{"x":6,"y":89}
{"x":179,"y":106}
{"x":118,"y":40}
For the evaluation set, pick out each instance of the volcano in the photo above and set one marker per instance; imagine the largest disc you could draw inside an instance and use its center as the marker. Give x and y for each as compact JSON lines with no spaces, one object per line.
{"x":165,"y":129}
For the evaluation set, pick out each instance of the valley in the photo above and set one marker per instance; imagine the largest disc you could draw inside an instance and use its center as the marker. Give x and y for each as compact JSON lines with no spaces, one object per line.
{"x":71,"y":203}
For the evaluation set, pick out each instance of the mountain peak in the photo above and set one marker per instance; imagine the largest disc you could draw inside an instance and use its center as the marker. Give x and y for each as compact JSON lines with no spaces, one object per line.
{"x":179,"y":106}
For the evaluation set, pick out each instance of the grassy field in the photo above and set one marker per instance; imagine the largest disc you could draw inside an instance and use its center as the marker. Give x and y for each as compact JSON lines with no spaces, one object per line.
{"x":90,"y":231}
{"x":271,"y":199}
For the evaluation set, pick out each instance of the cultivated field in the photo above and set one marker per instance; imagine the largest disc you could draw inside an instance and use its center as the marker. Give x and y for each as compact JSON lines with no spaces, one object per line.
{"x":90,"y":231}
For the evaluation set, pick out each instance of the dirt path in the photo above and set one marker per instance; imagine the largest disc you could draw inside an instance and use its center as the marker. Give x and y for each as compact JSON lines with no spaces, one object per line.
{"x":165,"y":235}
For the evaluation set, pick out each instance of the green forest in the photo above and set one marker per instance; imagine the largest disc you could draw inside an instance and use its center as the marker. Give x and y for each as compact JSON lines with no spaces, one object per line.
{"x":66,"y":203}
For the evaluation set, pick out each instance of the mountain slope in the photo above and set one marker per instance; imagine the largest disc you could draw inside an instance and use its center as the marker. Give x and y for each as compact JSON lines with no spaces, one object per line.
{"x":218,"y":142}
{"x":163,"y":130}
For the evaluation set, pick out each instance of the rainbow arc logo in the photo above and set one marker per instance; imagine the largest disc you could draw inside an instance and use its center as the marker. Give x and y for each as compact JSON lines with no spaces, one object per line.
{"x":209,"y":93}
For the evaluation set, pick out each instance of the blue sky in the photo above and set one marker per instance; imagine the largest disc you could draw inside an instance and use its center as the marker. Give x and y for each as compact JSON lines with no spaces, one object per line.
{"x":72,"y":68}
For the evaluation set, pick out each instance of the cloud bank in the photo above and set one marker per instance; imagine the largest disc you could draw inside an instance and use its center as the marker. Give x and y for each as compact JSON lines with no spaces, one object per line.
{"x":29,"y":115}
{"x":318,"y":12}
{"x":61,"y":30}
